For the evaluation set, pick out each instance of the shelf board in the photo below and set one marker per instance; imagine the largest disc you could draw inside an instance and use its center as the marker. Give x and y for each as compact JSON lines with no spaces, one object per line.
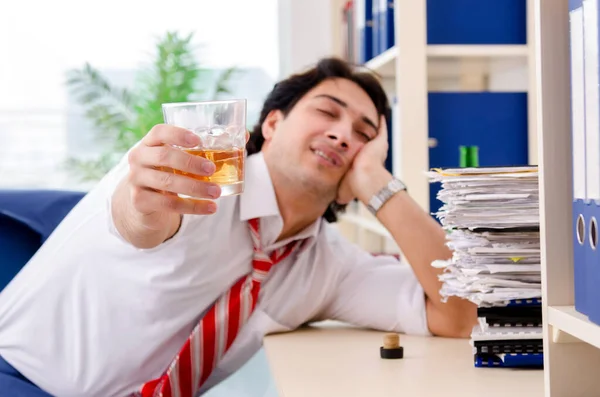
{"x":485,"y":51}
{"x":384,"y":64}
{"x":568,"y":320}
{"x":443,"y":58}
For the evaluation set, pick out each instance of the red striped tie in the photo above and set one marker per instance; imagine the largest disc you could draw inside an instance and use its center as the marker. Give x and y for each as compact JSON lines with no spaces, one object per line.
{"x":217,"y":330}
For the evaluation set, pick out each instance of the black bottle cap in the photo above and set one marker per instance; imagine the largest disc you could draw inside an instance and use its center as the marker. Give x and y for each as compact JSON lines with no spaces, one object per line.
{"x":395,"y":352}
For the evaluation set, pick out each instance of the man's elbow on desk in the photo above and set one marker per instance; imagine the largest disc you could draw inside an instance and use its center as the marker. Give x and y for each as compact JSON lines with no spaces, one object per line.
{"x":454,"y":319}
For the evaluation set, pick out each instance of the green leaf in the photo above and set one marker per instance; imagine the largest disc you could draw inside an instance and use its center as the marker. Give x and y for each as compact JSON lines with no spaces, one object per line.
{"x":121,"y":117}
{"x":94,"y":92}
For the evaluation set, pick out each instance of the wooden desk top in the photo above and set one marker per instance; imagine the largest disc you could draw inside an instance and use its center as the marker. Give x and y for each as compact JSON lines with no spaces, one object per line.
{"x":335,"y":360}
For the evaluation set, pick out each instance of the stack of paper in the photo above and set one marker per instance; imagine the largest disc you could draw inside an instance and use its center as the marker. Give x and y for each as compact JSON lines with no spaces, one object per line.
{"x":491,"y":216}
{"x":492,"y":267}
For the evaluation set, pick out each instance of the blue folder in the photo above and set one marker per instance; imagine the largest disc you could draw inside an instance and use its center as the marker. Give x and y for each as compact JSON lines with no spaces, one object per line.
{"x":476,"y":22}
{"x":384,"y":17}
{"x":377,"y":27}
{"x":579,"y":208}
{"x":517,"y":360}
{"x":591,"y":271}
{"x":366,"y":30}
{"x":390,"y":26}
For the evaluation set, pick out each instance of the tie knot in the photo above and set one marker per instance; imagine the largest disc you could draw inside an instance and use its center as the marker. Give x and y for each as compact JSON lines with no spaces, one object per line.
{"x":262,"y":263}
{"x":254,"y":226}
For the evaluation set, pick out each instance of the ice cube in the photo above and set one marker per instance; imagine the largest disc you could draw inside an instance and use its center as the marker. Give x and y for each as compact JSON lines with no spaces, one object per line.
{"x":215,"y":137}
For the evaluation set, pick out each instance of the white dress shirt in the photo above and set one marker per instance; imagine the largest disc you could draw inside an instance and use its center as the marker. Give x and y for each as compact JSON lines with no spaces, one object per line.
{"x":91,"y":315}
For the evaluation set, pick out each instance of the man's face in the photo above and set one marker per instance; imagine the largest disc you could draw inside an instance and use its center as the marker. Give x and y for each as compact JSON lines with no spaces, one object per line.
{"x":316,"y":143}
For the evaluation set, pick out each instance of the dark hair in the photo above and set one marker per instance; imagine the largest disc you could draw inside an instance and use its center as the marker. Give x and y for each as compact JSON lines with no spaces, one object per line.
{"x":288,"y":92}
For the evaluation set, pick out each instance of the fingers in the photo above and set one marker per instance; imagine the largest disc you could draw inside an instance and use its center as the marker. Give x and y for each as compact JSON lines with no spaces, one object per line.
{"x":148,"y":201}
{"x":168,"y":181}
{"x":164,"y":134}
{"x":171,"y":158}
{"x":156,"y":188}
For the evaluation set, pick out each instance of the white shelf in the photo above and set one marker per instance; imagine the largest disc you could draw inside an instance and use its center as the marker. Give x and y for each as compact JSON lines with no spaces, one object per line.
{"x":485,"y":51}
{"x":447,"y":61}
{"x":567,"y":319}
{"x":384,"y":64}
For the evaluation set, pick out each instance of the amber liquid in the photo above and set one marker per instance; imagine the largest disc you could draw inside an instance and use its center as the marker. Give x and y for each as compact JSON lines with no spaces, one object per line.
{"x":229,"y":174}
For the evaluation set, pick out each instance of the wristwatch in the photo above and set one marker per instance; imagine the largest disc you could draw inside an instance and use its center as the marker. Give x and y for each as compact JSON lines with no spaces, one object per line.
{"x":380,"y":198}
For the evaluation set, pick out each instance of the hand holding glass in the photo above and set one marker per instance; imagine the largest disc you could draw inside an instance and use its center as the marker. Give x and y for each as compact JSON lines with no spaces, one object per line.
{"x":221,"y":126}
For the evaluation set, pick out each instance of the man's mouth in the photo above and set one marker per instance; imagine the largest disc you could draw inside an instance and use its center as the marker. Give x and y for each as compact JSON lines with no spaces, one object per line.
{"x":330,"y":159}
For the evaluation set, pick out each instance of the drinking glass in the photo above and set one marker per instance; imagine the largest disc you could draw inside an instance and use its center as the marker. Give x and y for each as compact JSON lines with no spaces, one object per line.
{"x":221,"y":126}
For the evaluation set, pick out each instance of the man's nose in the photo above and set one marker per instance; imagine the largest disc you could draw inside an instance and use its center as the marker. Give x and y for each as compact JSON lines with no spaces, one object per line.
{"x":341,"y":138}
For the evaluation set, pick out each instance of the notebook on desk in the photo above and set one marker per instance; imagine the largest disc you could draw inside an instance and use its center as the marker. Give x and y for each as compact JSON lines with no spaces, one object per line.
{"x":511,"y":316}
{"x":517,"y":360}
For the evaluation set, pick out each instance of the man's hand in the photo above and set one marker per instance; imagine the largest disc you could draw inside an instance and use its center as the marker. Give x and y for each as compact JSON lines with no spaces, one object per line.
{"x":367,"y":174}
{"x":146,"y":207}
{"x":153,"y":185}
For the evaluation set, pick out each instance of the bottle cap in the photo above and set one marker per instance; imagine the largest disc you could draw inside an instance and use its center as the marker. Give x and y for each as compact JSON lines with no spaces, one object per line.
{"x":391,"y":347}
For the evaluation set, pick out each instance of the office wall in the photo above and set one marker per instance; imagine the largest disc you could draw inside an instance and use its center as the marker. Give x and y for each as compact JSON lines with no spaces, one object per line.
{"x":305,"y":33}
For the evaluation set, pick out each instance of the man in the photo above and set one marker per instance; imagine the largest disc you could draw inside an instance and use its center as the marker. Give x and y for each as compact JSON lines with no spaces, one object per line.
{"x":121,"y":299}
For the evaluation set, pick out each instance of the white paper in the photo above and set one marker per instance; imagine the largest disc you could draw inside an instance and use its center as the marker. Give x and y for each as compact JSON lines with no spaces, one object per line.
{"x":592,"y":99}
{"x":578,"y":104}
{"x":490,"y":268}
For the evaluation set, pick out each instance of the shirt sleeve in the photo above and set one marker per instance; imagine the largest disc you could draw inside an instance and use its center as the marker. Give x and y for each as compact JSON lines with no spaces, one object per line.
{"x":376,"y":292}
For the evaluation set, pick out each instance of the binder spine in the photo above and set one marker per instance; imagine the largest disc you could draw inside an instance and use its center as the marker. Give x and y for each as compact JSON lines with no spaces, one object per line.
{"x":376,"y":28}
{"x":366,"y":30}
{"x":578,"y":136}
{"x":383,"y":21}
{"x":522,"y":360}
{"x":591,"y":294}
{"x":390,"y":25}
{"x":529,"y":346}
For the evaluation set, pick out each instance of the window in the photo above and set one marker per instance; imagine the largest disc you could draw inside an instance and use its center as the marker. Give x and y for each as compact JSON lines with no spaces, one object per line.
{"x":41,"y":125}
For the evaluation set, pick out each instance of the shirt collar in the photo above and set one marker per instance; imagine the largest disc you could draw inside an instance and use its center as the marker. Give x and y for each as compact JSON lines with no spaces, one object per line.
{"x":259,"y":201}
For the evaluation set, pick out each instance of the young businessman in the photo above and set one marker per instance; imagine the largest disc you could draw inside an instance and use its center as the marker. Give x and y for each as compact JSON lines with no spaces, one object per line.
{"x":140,"y":292}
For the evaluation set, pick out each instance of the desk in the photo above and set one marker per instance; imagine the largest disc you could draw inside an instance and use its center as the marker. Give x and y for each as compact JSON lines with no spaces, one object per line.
{"x":336,"y":360}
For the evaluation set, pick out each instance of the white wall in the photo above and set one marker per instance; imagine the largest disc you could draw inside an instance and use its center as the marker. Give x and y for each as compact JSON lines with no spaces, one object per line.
{"x":305,"y":33}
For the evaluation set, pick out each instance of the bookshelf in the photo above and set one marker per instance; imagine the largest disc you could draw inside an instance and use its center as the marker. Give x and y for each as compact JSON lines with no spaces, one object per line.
{"x":571,"y":341}
{"x":413,"y":68}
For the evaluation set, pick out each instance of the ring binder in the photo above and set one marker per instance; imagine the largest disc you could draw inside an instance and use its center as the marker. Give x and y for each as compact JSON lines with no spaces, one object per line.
{"x":579,"y":153}
{"x":592,"y":153}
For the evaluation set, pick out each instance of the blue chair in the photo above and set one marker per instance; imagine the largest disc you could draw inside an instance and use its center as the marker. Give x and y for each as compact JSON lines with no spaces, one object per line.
{"x":27,"y":218}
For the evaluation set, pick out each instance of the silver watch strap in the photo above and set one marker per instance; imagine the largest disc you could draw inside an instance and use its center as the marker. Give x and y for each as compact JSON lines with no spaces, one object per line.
{"x":381,"y":197}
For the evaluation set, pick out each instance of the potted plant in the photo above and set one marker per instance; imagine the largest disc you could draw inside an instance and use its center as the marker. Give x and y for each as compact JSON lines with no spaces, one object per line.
{"x":121,"y":116}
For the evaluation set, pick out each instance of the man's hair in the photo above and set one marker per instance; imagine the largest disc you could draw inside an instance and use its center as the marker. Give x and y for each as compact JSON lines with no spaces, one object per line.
{"x":288,"y":92}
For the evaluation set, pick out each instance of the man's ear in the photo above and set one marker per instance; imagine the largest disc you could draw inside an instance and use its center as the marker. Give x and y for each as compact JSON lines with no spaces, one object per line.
{"x":269,"y":126}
